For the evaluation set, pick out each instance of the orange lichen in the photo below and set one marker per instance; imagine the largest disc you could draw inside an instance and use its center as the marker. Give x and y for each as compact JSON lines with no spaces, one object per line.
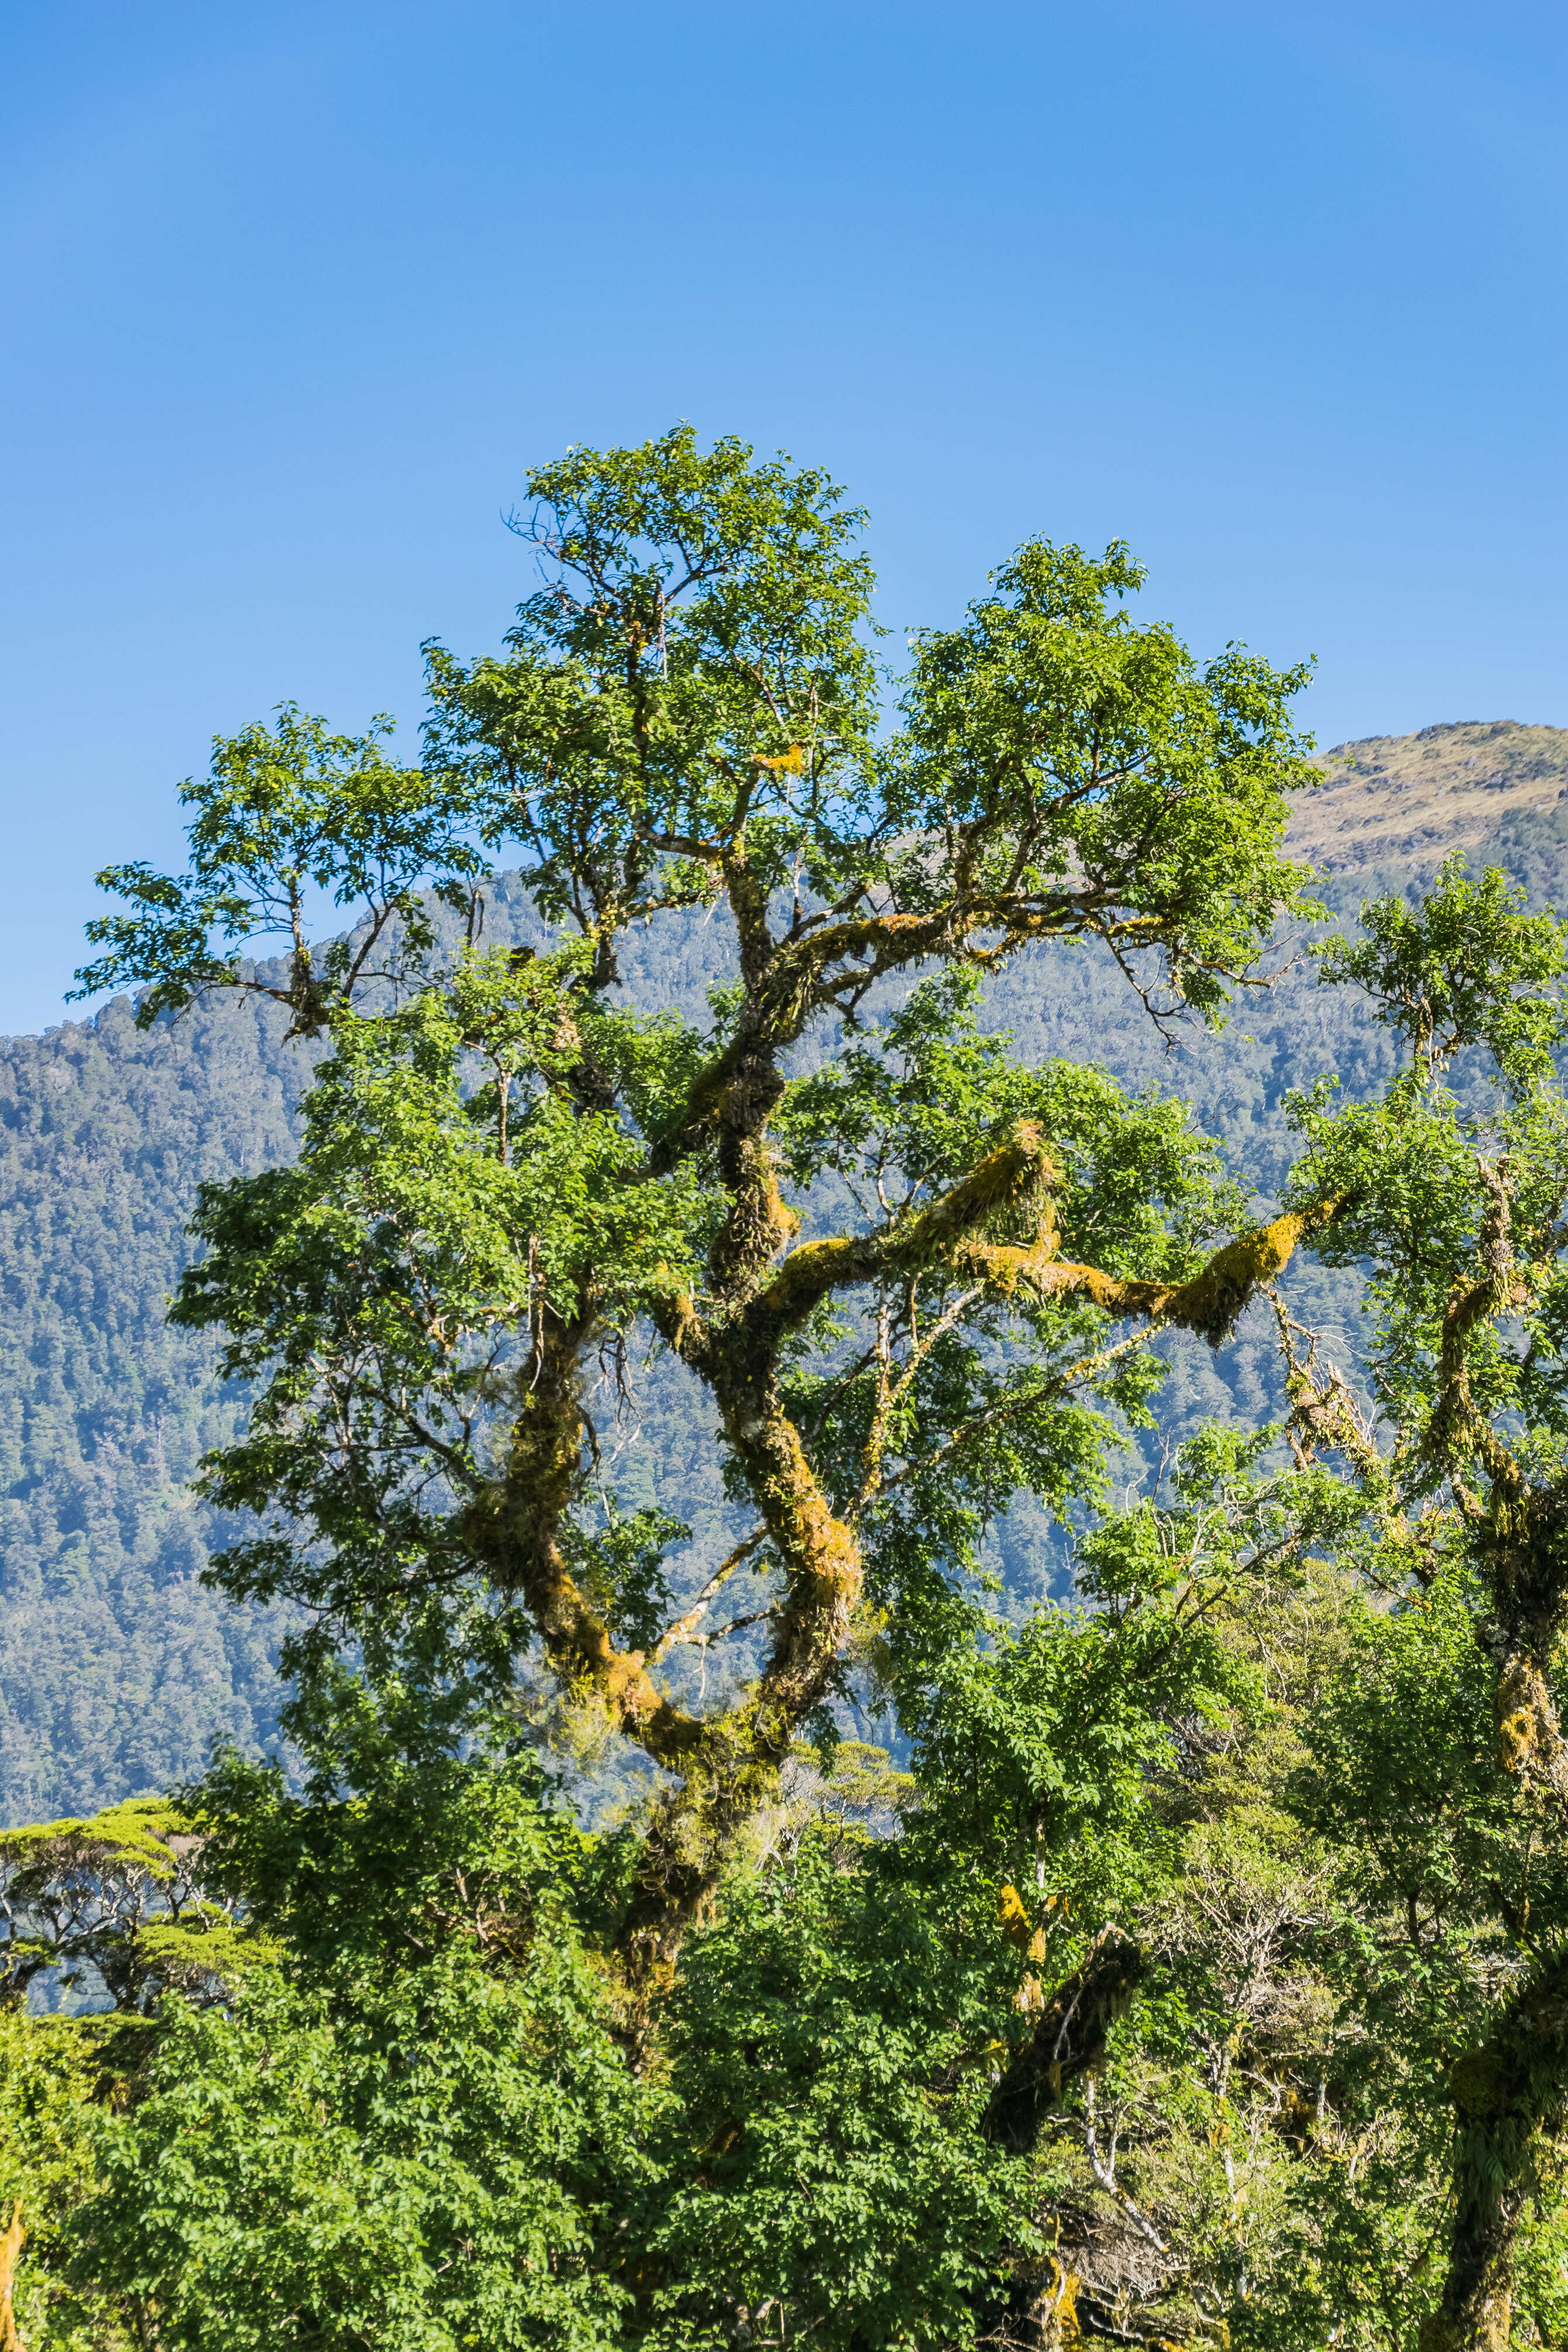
{"x":12,"y":2240}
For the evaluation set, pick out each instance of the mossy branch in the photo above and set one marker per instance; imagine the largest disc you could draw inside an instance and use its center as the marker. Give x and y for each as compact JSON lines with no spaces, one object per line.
{"x":1068,"y":2041}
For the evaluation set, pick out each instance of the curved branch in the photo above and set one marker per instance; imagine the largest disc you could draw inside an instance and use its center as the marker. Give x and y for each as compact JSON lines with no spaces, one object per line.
{"x":1456,"y":1428}
{"x":1068,"y":2041}
{"x":1209,"y":1303}
{"x":684,"y":1628}
{"x":811,"y":970}
{"x":1019,"y":1170}
{"x":513,"y":1526}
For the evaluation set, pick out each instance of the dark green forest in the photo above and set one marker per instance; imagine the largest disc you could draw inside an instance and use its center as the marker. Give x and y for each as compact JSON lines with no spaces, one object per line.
{"x":788,"y":1556}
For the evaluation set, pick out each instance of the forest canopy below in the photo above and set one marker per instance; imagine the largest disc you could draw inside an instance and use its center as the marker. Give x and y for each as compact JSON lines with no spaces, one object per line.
{"x":915,"y":1592}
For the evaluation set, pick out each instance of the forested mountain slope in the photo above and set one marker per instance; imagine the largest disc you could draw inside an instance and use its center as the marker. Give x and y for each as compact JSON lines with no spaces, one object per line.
{"x":116,"y":1668}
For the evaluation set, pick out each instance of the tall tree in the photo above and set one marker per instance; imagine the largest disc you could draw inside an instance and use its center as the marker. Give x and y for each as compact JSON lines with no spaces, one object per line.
{"x":507,"y":1174}
{"x":1445,"y":1773}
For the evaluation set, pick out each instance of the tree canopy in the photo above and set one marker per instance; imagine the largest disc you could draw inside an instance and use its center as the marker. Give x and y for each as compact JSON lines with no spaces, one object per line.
{"x":507,"y":1175}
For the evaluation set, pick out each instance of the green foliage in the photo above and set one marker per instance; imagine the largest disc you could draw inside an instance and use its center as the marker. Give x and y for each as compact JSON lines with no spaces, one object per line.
{"x":387,"y":1287}
{"x":1403,"y":1783}
{"x":48,"y":2165}
{"x":112,"y":1908}
{"x":414,"y":2128}
{"x":921,"y":1095}
{"x":410,"y":1853}
{"x":620,"y":1564}
{"x":707,"y":626}
{"x":286,"y":810}
{"x":1466,"y":968}
{"x":416,"y":2163}
{"x":1418,"y":1176}
{"x":694,"y":687}
{"x":1455,"y":1862}
{"x":895,"y":1119}
{"x":1092,"y":737}
{"x":823,"y":2044}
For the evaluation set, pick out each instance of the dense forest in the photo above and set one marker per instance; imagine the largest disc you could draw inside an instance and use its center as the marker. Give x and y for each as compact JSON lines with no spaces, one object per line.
{"x":774,"y":1577}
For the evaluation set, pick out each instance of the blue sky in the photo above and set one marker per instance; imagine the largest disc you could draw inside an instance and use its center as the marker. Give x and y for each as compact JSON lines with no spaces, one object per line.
{"x":295,"y":294}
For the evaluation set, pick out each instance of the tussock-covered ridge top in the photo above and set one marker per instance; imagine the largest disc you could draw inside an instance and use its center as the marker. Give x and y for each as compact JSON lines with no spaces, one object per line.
{"x":1413,"y":799}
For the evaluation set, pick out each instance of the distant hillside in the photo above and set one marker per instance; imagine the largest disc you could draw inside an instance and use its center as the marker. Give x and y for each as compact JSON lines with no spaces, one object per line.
{"x":1415,"y":798}
{"x":116,"y":1668}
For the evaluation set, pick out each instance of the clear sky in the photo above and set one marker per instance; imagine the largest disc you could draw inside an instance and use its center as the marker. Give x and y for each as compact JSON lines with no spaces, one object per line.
{"x":294,"y":294}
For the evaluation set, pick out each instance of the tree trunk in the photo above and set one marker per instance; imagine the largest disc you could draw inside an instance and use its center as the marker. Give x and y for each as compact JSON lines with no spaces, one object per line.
{"x":1476,"y":2314}
{"x":732,"y":1772}
{"x":1505,"y":2094}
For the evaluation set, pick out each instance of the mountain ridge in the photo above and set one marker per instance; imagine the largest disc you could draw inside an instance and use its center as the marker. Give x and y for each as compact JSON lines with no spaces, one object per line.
{"x":1417,"y":798}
